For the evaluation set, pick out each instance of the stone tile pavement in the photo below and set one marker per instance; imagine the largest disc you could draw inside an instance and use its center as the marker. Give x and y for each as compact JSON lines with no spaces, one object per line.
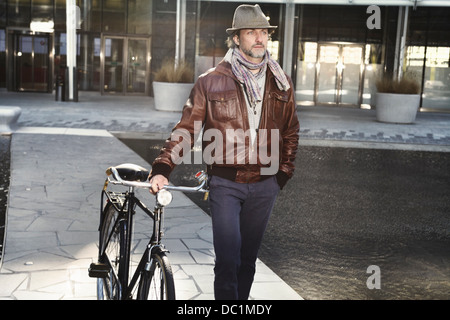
{"x":53,"y":213}
{"x":136,"y":117}
{"x":60,"y":151}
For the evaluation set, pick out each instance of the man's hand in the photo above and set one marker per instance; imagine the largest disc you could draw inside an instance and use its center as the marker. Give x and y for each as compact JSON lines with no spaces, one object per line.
{"x":158,"y":182}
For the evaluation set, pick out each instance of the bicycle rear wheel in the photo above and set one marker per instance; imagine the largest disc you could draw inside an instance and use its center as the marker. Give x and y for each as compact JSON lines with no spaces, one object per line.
{"x":112,"y":249}
{"x":157,"y":283}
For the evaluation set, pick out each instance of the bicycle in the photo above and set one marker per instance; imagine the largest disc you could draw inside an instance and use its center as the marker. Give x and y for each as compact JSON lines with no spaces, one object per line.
{"x":153,"y":277}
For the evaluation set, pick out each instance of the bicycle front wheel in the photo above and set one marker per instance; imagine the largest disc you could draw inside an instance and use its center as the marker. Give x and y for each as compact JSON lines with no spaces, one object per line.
{"x":157,"y":283}
{"x":112,"y":249}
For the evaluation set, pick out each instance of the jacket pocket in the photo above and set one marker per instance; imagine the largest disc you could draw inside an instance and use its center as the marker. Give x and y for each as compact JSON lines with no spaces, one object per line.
{"x":223,"y":105}
{"x":278,"y":102}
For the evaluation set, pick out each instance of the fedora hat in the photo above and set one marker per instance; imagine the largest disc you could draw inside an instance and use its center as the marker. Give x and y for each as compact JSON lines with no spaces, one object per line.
{"x":249,"y":17}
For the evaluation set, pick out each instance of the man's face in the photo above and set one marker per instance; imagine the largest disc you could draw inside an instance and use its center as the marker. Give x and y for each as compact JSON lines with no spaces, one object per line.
{"x":253,"y":43}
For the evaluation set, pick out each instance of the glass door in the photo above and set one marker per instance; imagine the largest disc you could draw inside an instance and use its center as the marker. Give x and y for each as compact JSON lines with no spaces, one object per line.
{"x":137,"y":65}
{"x":125,"y":66}
{"x":327,"y":78}
{"x":32,"y":63}
{"x":113,"y":65}
{"x":339,"y":74}
{"x":351,"y":74}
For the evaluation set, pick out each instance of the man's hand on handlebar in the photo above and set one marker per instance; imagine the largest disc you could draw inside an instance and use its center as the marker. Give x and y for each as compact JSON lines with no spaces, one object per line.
{"x":158,"y":182}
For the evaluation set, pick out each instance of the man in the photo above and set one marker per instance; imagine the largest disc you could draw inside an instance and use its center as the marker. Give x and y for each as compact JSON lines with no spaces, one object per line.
{"x":247,"y":102}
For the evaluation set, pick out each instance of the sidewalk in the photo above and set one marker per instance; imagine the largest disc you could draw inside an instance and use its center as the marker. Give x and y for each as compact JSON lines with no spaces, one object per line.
{"x":59,"y":154}
{"x":56,"y":178}
{"x":135,"y":116}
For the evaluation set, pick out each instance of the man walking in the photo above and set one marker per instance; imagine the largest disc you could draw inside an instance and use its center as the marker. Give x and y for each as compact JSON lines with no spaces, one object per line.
{"x":247,"y":101}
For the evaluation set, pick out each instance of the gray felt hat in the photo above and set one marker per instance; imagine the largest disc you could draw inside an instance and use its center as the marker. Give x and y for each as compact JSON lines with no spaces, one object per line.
{"x":249,"y":17}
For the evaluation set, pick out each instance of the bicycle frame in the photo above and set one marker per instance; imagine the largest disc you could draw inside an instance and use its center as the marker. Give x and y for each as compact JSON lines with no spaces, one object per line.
{"x":131,"y":201}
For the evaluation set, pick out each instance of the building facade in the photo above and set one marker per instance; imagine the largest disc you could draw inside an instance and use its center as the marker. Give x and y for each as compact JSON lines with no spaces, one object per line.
{"x":334,"y":50}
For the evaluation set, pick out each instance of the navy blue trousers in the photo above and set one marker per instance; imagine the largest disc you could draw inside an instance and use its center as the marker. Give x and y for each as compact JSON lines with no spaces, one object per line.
{"x":240,"y":212}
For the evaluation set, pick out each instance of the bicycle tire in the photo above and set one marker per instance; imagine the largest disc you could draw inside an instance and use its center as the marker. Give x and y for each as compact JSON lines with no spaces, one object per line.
{"x":158,"y":282}
{"x":110,"y":288}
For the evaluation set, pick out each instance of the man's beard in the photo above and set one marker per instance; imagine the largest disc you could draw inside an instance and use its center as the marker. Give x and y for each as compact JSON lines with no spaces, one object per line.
{"x":252,"y":54}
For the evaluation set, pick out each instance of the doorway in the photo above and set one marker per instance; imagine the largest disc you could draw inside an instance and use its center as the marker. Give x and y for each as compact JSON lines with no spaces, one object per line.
{"x":125,"y":64}
{"x":339,"y":74}
{"x":31,"y":62}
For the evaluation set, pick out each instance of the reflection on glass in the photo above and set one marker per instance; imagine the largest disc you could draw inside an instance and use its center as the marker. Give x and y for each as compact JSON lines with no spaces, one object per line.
{"x":139,"y":12}
{"x":306,"y":72}
{"x":25,"y":63}
{"x":339,"y":74}
{"x":91,"y":14}
{"x":326,"y":82}
{"x":137,"y":65}
{"x":40,"y":70}
{"x":351,"y":68}
{"x":114,"y":13}
{"x":88,"y":62}
{"x":19,"y":13}
{"x":113,"y":65}
{"x":436,"y":88}
{"x":2,"y":58}
{"x":41,"y":9}
{"x":125,"y":65}
{"x":32,"y":63}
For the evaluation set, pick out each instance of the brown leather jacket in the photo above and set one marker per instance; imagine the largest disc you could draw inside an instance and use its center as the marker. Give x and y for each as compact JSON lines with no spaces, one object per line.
{"x":218,"y":102}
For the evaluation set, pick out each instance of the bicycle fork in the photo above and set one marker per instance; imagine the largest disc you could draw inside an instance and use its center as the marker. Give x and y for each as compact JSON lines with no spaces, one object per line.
{"x":125,"y":255}
{"x":154,"y":246}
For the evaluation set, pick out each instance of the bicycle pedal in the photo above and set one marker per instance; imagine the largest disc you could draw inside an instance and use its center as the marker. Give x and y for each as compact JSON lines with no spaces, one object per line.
{"x":99,"y":270}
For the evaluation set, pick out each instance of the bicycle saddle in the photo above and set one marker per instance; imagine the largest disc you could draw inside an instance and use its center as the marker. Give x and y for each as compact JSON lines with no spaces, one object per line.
{"x":130,"y":172}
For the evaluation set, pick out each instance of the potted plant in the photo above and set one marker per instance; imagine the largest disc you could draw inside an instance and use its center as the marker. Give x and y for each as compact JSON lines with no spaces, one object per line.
{"x":172,"y":85}
{"x":397,"y":100}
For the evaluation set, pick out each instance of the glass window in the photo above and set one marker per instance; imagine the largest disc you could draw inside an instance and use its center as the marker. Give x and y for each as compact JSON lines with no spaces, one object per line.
{"x":436,"y":79}
{"x":319,"y":26}
{"x":114,"y":65}
{"x":139,"y":16}
{"x":60,"y":16}
{"x":62,"y":44}
{"x":436,"y":90}
{"x":60,"y":52}
{"x":373,"y":68}
{"x":91,"y":14}
{"x":428,"y":55}
{"x":334,"y":23}
{"x":42,"y":9}
{"x":137,"y":65}
{"x":306,"y":71}
{"x":88,"y":61}
{"x":40,"y":63}
{"x":114,"y":16}
{"x":19,"y":13}
{"x":2,"y":41}
{"x":2,"y":58}
{"x":2,"y":13}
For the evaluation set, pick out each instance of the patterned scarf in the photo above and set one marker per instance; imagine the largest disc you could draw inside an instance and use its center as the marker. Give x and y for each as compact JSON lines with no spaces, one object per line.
{"x":241,"y":68}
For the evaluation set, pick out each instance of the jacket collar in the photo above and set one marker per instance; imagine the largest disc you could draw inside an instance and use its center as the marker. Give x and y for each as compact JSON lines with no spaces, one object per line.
{"x":225,"y":68}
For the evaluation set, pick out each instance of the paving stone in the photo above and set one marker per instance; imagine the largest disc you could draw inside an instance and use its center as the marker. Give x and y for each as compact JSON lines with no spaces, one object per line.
{"x":57,"y":173}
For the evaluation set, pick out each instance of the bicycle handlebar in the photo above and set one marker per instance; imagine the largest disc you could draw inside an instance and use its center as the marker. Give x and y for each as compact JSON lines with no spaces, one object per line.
{"x":201,"y":176}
